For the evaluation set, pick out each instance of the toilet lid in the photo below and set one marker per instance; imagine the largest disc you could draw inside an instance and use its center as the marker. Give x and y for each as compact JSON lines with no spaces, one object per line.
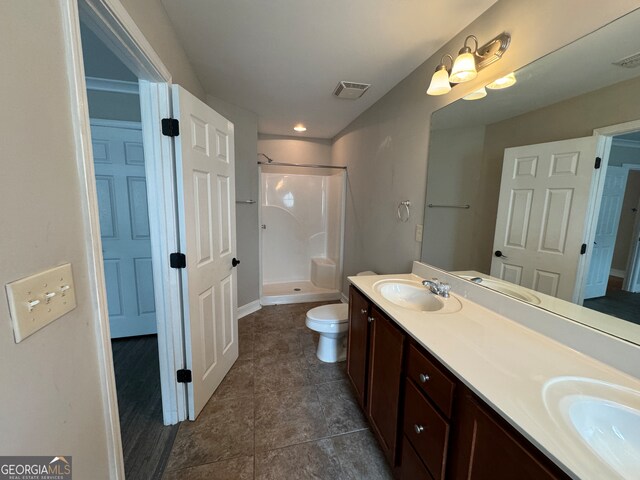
{"x":336,"y":312}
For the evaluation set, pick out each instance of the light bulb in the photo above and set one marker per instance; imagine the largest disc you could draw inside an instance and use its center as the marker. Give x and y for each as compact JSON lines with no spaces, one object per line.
{"x":503,"y":82}
{"x":464,"y":68}
{"x":477,"y":95}
{"x":300,"y":128}
{"x":439,"y":82}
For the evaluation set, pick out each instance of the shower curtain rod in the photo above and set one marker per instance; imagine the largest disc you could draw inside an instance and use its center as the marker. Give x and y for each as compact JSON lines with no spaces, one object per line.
{"x":282,"y":164}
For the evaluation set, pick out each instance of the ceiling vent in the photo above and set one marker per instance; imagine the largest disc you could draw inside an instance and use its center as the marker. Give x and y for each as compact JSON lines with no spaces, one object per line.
{"x":629,"y":62}
{"x":350,"y":90}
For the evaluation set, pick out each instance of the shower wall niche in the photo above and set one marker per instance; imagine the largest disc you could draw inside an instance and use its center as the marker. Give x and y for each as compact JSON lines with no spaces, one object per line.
{"x":302,"y":217}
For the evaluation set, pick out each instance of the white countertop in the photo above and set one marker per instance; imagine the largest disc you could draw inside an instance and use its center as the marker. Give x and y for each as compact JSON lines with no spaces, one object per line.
{"x":598,"y":320}
{"x":507,"y":365}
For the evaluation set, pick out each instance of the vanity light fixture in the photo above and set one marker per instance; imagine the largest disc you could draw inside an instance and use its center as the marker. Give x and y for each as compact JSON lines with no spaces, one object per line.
{"x":468,"y":63}
{"x":300,"y":128}
{"x":440,"y":80}
{"x":503,"y":82}
{"x":477,"y":95}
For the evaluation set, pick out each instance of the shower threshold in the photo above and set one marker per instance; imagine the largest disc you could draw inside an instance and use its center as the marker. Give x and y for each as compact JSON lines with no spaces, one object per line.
{"x":296,"y":292}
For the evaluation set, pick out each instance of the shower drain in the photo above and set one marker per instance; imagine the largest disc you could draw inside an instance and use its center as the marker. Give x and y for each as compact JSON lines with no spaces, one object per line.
{"x":296,"y":289}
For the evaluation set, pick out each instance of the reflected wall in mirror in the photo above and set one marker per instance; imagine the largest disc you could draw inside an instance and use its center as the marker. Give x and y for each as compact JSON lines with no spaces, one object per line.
{"x":545,"y":225}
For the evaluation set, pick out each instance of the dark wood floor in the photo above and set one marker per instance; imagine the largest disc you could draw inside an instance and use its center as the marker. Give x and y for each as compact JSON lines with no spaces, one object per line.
{"x":146,"y":442}
{"x":617,"y":302}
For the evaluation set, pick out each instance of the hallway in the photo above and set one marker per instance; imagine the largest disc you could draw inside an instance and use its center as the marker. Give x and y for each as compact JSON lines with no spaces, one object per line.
{"x":280,"y":413}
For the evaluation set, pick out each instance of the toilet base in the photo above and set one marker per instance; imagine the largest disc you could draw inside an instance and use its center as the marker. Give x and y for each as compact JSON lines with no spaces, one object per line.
{"x":332,"y":348}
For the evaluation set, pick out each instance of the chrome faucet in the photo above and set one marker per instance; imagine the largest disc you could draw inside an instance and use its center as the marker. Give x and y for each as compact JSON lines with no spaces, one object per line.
{"x":437,"y":287}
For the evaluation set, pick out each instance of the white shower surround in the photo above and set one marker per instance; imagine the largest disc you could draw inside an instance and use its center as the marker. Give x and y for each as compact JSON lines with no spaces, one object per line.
{"x":303,"y":210}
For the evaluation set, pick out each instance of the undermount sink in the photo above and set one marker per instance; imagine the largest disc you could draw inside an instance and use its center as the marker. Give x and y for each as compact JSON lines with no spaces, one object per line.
{"x":510,"y":289}
{"x":415,"y":296}
{"x":604,"y":416}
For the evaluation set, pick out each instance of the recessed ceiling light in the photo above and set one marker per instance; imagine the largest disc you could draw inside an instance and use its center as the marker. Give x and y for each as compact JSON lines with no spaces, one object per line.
{"x":300,"y":128}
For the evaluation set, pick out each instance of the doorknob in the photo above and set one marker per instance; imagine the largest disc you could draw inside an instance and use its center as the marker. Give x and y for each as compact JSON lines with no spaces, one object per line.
{"x":235,"y":262}
{"x":498,"y":253}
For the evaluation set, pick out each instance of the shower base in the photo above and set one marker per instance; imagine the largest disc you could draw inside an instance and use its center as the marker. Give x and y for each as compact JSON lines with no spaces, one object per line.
{"x":296,"y":292}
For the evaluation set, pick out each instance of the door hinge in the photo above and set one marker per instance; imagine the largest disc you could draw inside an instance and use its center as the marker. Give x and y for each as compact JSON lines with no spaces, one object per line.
{"x":170,"y":127}
{"x":583,"y":249}
{"x":598,"y":162}
{"x":183,"y":376}
{"x":178,"y":260}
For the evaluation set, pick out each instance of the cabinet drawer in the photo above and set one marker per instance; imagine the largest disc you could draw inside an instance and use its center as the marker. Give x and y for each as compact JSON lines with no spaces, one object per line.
{"x":427,"y":431}
{"x":435,"y":384}
{"x":412,"y":467}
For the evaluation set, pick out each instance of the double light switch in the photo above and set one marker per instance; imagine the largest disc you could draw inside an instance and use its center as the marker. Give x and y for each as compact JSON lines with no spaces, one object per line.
{"x":38,"y":300}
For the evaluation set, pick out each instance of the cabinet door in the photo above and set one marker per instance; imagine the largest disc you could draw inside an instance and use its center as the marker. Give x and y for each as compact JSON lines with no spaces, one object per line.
{"x":487,"y":450}
{"x":358,"y":342}
{"x":385,"y":372}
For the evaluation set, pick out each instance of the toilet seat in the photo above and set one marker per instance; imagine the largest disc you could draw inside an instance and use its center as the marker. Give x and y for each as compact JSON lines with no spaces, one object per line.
{"x":329,"y":318}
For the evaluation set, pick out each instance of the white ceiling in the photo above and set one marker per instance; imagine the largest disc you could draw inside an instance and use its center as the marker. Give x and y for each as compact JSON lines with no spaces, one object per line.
{"x":283,"y":58}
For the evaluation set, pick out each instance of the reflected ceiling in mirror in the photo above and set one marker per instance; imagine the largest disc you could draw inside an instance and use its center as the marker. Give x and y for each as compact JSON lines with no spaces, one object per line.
{"x":543,"y":222}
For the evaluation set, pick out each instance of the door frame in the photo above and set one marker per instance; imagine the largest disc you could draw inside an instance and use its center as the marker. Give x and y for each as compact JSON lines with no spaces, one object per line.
{"x":604,"y":137}
{"x":109,"y":20}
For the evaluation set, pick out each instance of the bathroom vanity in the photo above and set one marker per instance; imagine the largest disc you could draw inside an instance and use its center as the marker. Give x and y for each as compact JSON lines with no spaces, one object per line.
{"x":454,"y":390}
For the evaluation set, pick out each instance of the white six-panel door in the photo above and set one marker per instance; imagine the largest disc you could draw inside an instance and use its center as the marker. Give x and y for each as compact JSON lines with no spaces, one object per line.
{"x":615,"y":183}
{"x":542,"y":212}
{"x":124,"y":227}
{"x":206,"y":202}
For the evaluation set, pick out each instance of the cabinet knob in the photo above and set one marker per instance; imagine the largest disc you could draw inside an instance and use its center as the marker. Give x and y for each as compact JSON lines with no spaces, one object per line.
{"x":418,"y":428}
{"x":363,"y":311}
{"x":370,"y":319}
{"x":424,"y":378}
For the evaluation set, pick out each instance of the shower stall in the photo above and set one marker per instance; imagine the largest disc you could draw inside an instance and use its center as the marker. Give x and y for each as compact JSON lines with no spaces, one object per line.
{"x":302,"y":212}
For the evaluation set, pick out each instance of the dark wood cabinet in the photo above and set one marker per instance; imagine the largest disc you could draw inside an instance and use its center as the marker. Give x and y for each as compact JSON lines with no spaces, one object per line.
{"x":374,"y":366}
{"x":446,"y":431}
{"x":411,"y":467}
{"x":426,"y":430}
{"x":488,"y":449}
{"x":358,"y":343}
{"x":386,"y":349}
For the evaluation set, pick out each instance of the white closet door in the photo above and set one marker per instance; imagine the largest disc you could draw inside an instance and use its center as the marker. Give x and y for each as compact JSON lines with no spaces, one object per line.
{"x":542,"y":211}
{"x":606,"y":232}
{"x":206,"y":199}
{"x":124,"y":227}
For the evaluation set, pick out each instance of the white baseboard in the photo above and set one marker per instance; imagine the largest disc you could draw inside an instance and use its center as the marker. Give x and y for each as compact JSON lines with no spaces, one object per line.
{"x":245,"y":310}
{"x":618,"y":273}
{"x":344,"y":298}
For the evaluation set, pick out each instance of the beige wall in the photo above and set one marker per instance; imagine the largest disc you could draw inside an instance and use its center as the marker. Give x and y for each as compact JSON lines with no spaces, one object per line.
{"x":246,"y":140}
{"x":620,"y":155}
{"x":386,"y":147}
{"x":295,"y":149}
{"x":455,"y":157}
{"x":628,"y":218}
{"x":51,"y":395}
{"x":114,"y":106}
{"x":151,"y":18}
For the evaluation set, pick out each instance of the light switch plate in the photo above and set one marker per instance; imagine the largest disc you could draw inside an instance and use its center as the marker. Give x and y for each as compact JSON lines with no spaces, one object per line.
{"x":418,"y":233}
{"x":38,"y":300}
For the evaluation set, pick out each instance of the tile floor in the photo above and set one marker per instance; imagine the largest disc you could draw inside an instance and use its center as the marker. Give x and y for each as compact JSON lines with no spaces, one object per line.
{"x":280,"y":413}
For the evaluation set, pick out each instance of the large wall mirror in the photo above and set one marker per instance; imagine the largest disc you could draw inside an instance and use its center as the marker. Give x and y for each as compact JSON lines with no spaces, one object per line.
{"x":534,"y":190}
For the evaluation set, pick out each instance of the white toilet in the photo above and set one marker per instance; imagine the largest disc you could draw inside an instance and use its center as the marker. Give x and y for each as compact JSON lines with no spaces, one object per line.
{"x":331,"y":322}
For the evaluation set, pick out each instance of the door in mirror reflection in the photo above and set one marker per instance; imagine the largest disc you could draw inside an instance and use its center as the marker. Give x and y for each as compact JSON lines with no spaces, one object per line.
{"x":542,"y":215}
{"x":606,"y":232}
